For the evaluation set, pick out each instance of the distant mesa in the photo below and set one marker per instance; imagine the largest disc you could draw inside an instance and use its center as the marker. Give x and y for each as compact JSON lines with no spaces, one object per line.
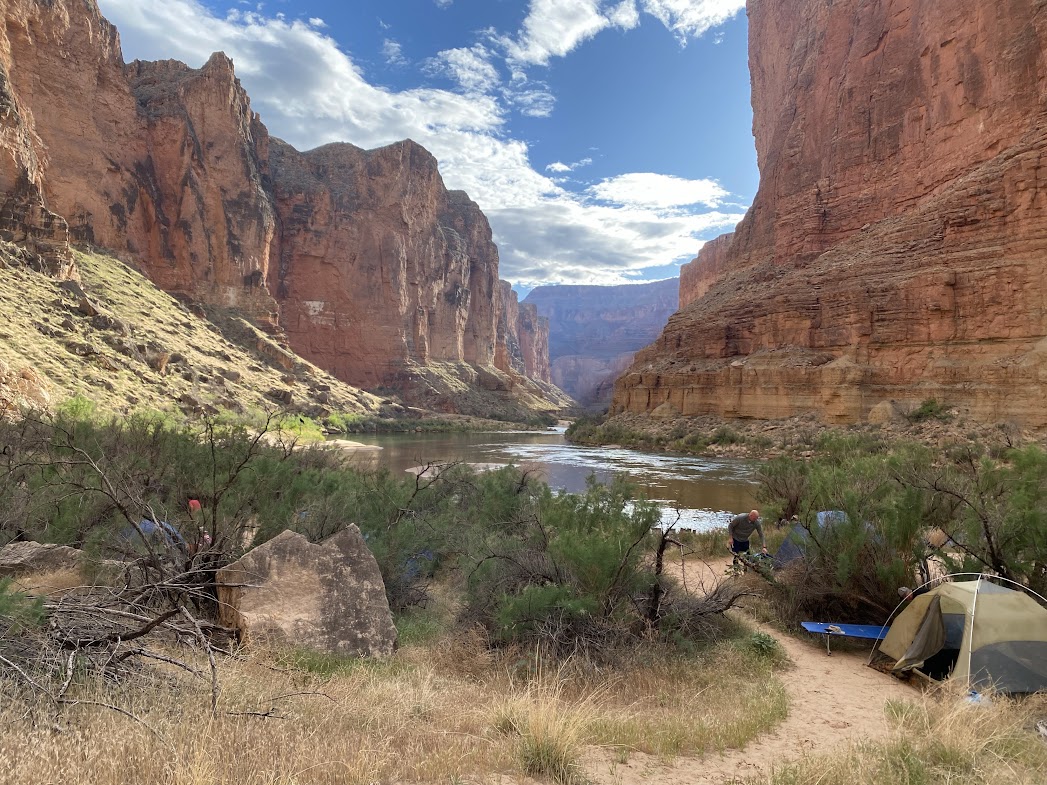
{"x":595,"y":330}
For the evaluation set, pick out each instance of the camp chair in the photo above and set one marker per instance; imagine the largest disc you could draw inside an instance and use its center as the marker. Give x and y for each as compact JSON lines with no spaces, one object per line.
{"x":867,"y":631}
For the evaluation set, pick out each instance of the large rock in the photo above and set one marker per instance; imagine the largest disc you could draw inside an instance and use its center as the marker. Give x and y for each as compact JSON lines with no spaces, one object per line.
{"x":594,"y":330}
{"x":895,"y":247}
{"x":18,"y":558}
{"x":328,"y":596}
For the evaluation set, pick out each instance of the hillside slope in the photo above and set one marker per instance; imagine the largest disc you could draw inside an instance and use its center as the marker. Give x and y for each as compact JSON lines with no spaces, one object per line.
{"x":117,"y":339}
{"x":369,"y":265}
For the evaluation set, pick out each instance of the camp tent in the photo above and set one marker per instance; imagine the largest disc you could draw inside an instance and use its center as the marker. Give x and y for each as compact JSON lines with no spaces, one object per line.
{"x":974,"y":631}
{"x":795,"y":544}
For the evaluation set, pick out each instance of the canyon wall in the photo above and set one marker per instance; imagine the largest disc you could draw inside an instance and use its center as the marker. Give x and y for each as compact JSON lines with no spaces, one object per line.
{"x":698,"y":275}
{"x":895,"y":249}
{"x":594,"y":331}
{"x":362,"y":261}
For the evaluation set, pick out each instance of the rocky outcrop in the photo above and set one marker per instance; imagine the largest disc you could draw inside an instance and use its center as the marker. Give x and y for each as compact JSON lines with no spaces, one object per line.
{"x":155,"y":160}
{"x":698,"y":275}
{"x":19,"y":558}
{"x":594,"y":330}
{"x":329,"y":597}
{"x":373,"y":268}
{"x":894,"y":249}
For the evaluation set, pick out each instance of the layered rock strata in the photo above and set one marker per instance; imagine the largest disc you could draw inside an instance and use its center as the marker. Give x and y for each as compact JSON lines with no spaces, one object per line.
{"x":372,"y":267}
{"x":594,"y":331}
{"x":894,"y":250}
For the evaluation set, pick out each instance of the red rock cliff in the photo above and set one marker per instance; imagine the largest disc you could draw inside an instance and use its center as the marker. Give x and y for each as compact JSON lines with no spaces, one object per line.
{"x":698,"y":275}
{"x":155,"y":160}
{"x":383,"y":276}
{"x":523,"y":337}
{"x":895,"y":247}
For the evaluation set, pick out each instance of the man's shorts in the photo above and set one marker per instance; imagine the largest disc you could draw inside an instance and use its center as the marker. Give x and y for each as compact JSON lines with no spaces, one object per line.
{"x":739,"y":546}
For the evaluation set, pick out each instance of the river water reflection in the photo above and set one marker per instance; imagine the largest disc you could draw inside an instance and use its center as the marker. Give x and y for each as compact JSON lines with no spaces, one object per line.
{"x":705,"y":490}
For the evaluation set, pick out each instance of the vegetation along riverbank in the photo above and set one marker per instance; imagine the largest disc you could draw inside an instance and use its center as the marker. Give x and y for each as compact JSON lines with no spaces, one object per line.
{"x":583,"y":644}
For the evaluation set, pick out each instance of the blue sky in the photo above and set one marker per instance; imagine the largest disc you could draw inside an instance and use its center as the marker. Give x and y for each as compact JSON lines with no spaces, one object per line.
{"x":605,"y":140}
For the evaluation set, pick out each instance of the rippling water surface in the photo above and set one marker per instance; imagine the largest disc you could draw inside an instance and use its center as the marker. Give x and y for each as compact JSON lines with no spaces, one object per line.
{"x":706,"y":491}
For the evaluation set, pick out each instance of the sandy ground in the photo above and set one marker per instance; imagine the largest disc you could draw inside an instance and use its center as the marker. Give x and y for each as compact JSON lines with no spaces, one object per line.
{"x":832,"y":699}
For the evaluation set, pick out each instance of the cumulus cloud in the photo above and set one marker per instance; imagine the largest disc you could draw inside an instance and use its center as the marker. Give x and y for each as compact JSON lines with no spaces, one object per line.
{"x":692,"y":18}
{"x":559,"y":167}
{"x":316,"y":21}
{"x":471,"y":67}
{"x":658,"y":191}
{"x":311,"y":92}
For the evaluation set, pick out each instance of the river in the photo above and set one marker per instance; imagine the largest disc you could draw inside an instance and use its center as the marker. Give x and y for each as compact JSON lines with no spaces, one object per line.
{"x":706,"y":491}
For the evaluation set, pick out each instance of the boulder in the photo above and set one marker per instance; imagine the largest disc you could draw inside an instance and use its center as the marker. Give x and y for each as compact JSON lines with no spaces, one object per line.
{"x":326,"y":596}
{"x":17,"y":558}
{"x":666,"y":412}
{"x":885,"y":412}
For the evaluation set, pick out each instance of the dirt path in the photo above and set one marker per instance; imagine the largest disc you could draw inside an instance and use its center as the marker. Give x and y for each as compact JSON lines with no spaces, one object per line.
{"x":831,"y":700}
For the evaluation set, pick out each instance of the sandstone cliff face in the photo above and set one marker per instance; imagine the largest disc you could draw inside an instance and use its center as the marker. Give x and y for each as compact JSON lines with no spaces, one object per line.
{"x":894,"y":250}
{"x":594,"y":330}
{"x":698,"y":275}
{"x":380,"y":265}
{"x":523,"y":337}
{"x":155,"y":160}
{"x":377,"y":272}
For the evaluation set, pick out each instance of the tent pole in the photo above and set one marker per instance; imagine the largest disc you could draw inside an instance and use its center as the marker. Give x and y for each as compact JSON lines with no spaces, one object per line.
{"x":970,"y":637}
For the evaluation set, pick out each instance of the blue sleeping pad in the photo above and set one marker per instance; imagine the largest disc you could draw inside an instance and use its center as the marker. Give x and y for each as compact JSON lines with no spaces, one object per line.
{"x":870,"y":631}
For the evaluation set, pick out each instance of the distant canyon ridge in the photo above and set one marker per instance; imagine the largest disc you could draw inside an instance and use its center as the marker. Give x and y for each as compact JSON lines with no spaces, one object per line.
{"x":360,"y":261}
{"x":594,"y":331}
{"x":896,"y":250}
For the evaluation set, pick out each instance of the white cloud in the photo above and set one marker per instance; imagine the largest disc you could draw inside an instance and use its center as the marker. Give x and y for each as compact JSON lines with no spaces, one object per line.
{"x":470,"y":67}
{"x":624,"y":15}
{"x":316,"y":21}
{"x":393,"y":52}
{"x":310,"y":92}
{"x":560,"y":167}
{"x":553,"y":28}
{"x":444,"y":3}
{"x":533,"y":102}
{"x":658,"y":191}
{"x":692,"y":18}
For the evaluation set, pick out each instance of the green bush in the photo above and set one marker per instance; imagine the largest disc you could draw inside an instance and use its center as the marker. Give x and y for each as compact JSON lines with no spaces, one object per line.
{"x":930,"y":409}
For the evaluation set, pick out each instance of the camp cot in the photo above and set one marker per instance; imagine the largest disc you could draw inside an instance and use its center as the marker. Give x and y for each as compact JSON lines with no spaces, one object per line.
{"x":975,"y":632}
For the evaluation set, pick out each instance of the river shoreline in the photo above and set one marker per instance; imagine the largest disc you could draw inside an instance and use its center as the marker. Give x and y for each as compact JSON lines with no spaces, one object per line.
{"x":800,"y":437}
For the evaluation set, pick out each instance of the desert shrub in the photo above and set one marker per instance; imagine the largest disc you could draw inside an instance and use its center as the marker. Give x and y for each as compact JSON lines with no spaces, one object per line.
{"x":17,"y":608}
{"x":990,"y":504}
{"x":930,"y":409}
{"x":565,"y":571}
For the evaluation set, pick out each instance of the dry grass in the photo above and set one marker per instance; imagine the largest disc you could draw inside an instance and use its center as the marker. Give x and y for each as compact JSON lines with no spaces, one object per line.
{"x":939,"y":740}
{"x":440,"y":711}
{"x":129,"y":362}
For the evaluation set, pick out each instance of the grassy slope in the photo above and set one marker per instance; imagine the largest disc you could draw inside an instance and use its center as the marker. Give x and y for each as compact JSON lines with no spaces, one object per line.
{"x":120,"y":368}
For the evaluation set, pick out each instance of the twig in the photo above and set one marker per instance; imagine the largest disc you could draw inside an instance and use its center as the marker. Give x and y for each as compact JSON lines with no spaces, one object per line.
{"x":210,"y":658}
{"x":118,"y":710}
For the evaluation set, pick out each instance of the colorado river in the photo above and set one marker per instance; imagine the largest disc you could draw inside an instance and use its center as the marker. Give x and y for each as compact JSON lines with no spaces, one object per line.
{"x":705,"y":490}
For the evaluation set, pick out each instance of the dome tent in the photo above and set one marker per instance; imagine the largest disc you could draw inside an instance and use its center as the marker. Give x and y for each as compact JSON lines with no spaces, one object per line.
{"x":974,"y":631}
